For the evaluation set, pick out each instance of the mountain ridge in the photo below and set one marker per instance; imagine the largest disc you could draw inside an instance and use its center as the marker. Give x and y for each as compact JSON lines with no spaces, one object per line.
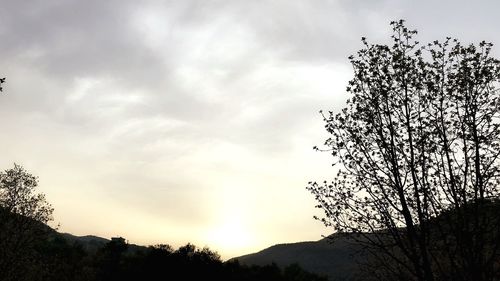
{"x":334,"y":256}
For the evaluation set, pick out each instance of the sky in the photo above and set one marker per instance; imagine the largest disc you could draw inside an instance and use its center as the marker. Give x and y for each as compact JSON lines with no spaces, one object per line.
{"x":191,"y":120}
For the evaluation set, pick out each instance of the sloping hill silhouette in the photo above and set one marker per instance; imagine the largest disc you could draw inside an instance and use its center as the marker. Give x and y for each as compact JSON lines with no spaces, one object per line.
{"x":338,"y":256}
{"x":335,"y":257}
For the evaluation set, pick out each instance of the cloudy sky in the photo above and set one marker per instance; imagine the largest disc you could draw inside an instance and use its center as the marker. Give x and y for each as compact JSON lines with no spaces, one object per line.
{"x":191,"y":120}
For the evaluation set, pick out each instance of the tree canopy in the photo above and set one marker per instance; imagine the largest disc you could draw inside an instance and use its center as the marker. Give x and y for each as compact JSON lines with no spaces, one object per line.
{"x":417,"y":158}
{"x":24,"y":213}
{"x":18,"y":195}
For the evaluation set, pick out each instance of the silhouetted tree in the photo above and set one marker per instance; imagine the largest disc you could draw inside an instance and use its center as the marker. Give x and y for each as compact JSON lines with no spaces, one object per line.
{"x":23,"y":216}
{"x":18,"y":195}
{"x":110,"y":259}
{"x":418,"y":146}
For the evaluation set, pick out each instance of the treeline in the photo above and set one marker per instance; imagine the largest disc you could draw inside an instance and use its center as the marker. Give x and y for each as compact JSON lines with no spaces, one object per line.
{"x":30,"y":250}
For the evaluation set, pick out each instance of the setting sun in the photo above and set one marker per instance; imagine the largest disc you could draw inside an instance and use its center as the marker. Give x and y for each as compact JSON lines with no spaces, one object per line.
{"x":231,"y":236}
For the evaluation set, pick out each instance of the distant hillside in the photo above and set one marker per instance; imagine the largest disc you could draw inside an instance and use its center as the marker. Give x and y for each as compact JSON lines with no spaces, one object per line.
{"x":31,"y":251}
{"x":337,"y":260}
{"x":334,"y":259}
{"x":92,"y":244}
{"x":89,"y":243}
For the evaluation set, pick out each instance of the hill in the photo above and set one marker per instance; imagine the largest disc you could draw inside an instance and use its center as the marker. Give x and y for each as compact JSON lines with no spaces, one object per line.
{"x":92,"y":244}
{"x":335,"y":258}
{"x":89,"y":243}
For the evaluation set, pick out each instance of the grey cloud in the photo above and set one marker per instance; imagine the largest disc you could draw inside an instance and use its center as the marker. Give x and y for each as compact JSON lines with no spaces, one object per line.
{"x":470,"y":21}
{"x":64,"y":40}
{"x":219,"y":45}
{"x":73,"y":38}
{"x":305,"y":30}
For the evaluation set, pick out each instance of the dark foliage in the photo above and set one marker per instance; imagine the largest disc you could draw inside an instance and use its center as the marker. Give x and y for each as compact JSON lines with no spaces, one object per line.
{"x":419,"y":140}
{"x":23,"y":217}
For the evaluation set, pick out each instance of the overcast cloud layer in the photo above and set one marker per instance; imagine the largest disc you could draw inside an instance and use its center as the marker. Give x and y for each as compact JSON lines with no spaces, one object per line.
{"x":178,"y":121}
